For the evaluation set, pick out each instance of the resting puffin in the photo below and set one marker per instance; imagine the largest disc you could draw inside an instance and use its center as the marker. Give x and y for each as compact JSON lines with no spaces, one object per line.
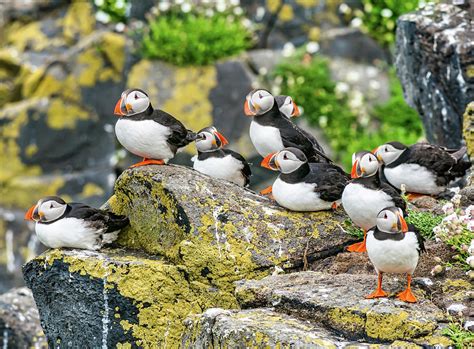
{"x":151,"y":133}
{"x":287,"y":106}
{"x":423,"y":168}
{"x":74,"y":225}
{"x":394,"y":247}
{"x":304,"y":186}
{"x":270,"y":131}
{"x":217,"y":162}
{"x":366,"y":195}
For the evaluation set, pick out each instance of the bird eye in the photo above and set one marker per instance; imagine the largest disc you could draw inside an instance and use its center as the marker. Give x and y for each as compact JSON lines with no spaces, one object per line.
{"x":385,"y":216}
{"x":136,"y":96}
{"x":51,"y":205}
{"x":285,"y":157}
{"x":386,"y":149}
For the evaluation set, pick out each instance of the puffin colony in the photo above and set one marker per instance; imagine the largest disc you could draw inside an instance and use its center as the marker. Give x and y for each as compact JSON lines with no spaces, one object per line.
{"x":309,"y":180}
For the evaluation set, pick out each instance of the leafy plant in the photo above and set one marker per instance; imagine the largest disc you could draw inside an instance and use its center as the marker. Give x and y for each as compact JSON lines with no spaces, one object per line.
{"x":195,"y":38}
{"x":424,"y":222}
{"x":112,"y":10}
{"x":352,"y":229}
{"x":462,"y":338}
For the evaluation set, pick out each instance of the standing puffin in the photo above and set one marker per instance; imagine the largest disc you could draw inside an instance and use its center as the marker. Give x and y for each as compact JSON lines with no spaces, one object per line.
{"x":150,"y":133}
{"x":366,"y":195}
{"x":287,"y":106}
{"x":217,"y":162}
{"x":423,"y":168}
{"x":270,"y":131}
{"x":304,"y":186}
{"x":74,"y":225}
{"x":394,"y":247}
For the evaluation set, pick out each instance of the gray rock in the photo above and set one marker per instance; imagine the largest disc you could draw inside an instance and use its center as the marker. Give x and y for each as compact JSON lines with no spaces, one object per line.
{"x":263,"y":61}
{"x":337,"y":301}
{"x":19,"y":321}
{"x":434,"y":63}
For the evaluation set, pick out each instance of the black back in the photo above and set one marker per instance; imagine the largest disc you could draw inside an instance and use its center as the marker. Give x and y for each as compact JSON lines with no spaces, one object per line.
{"x":96,"y":218}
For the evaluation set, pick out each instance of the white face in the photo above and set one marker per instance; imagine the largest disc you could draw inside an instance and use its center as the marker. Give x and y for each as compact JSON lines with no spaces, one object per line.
{"x":388,"y":153}
{"x":287,"y":107}
{"x":288,"y":162}
{"x":364,"y":166}
{"x":260,"y":101}
{"x":205,"y":141}
{"x":50,"y":210}
{"x":136,"y":102}
{"x":389,"y":221}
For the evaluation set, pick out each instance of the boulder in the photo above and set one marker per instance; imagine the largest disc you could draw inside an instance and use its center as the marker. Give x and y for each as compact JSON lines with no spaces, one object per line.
{"x":19,"y":321}
{"x":468,"y":128}
{"x":337,"y":302}
{"x":434,"y":60}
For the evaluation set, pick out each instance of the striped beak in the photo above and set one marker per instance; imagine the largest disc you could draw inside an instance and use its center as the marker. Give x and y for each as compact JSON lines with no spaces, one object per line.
{"x":356,"y":171}
{"x":32,"y":214}
{"x":296,"y":111}
{"x":402,"y":223}
{"x":270,"y":162}
{"x":220,"y":138}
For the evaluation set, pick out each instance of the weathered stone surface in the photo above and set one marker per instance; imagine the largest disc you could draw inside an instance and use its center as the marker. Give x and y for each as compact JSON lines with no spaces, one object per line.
{"x":337,"y":301}
{"x":468,"y":128}
{"x":218,"y":228}
{"x":19,"y":321}
{"x":435,"y":60}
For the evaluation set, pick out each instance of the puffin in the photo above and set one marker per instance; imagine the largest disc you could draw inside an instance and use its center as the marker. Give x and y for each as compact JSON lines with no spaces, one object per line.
{"x":147,"y":132}
{"x":304,"y":186}
{"x":287,"y":106}
{"x":271,"y":131}
{"x":423,"y":168}
{"x":394,"y":247}
{"x":217,"y":162}
{"x":74,"y":225}
{"x":366,"y":195}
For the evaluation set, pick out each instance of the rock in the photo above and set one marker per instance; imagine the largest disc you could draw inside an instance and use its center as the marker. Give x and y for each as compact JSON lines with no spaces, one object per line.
{"x":256,"y":328}
{"x":217,"y":227}
{"x":19,"y":320}
{"x":337,"y":302}
{"x":434,"y":63}
{"x":263,"y":61}
{"x":468,"y":128}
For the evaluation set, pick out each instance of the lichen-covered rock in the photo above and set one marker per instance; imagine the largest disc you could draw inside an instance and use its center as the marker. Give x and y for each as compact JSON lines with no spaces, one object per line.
{"x":338,"y":302}
{"x":219,"y":230}
{"x":116,"y":298}
{"x":19,"y":321}
{"x":435,"y":57}
{"x":468,"y":128}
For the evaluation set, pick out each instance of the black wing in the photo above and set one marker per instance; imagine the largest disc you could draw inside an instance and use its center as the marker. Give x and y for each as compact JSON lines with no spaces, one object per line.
{"x":180,"y":136}
{"x":246,"y":172}
{"x":330,"y":180}
{"x":432,"y":157}
{"x":419,"y":237}
{"x":394,"y":194}
{"x":104,"y":221}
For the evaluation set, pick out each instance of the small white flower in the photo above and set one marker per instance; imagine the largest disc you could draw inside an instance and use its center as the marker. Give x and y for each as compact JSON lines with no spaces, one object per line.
{"x":470,"y":210}
{"x":342,"y":88}
{"x":119,"y":27}
{"x":102,"y":17}
{"x":386,"y":12}
{"x":288,"y":49}
{"x":470,"y":261}
{"x":99,"y":2}
{"x":448,"y":208}
{"x":312,"y":47}
{"x":356,"y":22}
{"x":238,"y":11}
{"x":164,"y":6}
{"x":470,"y":226}
{"x":403,"y":188}
{"x":186,"y":7}
{"x":178,"y":2}
{"x":343,"y":8}
{"x":456,"y":200}
{"x":260,"y":13}
{"x":470,"y":250}
{"x":235,"y":2}
{"x":262,"y":71}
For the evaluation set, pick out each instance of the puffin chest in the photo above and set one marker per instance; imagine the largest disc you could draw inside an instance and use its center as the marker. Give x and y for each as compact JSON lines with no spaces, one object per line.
{"x":298,"y":196}
{"x":266,"y":139}
{"x":227,"y":167}
{"x":145,"y":138}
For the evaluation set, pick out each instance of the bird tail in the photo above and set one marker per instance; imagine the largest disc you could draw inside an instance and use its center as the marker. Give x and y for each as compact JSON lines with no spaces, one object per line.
{"x":459,"y":154}
{"x":191,"y":136}
{"x":116,"y":222}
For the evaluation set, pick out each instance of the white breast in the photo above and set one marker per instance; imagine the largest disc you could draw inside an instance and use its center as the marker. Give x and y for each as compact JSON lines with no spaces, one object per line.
{"x":390,"y":256}
{"x":228,"y":168}
{"x":417,"y":179}
{"x":69,"y":232}
{"x":145,"y":138}
{"x":266,"y":139}
{"x":298,"y":196}
{"x":362,"y":205}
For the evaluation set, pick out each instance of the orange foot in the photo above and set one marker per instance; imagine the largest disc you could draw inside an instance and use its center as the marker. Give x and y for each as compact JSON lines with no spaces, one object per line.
{"x":407,"y":296}
{"x":378,"y":293}
{"x":357,"y":247}
{"x":414,"y":196}
{"x":266,"y":191}
{"x":334,"y":205}
{"x":148,"y":162}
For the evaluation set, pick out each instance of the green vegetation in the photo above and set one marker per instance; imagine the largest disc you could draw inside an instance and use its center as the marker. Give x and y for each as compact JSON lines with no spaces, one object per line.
{"x":424,"y":222}
{"x":462,"y":338}
{"x":312,"y":88}
{"x":379,"y":17}
{"x":113,"y":10}
{"x":195,"y":38}
{"x":353,"y":230}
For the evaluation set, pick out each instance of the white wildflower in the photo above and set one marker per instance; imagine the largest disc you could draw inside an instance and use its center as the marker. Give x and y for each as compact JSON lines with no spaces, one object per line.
{"x":99,"y":2}
{"x":344,"y":8}
{"x":470,"y":226}
{"x":470,"y":250}
{"x":186,"y":7}
{"x":288,"y":49}
{"x":386,"y":12}
{"x":164,"y":6}
{"x":238,"y":11}
{"x":470,"y":210}
{"x":102,"y":17}
{"x":356,"y":22}
{"x":312,"y":47}
{"x":448,"y":208}
{"x":456,"y":200}
{"x":403,"y":188}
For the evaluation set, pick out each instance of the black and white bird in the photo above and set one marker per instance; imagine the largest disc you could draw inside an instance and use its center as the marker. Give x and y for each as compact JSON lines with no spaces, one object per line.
{"x":423,"y":168}
{"x":287,"y":106}
{"x":150,"y":133}
{"x":217,"y":162}
{"x":366,"y":195}
{"x":394,"y":247}
{"x":74,"y":225}
{"x":304,"y":186}
{"x":271,"y":131}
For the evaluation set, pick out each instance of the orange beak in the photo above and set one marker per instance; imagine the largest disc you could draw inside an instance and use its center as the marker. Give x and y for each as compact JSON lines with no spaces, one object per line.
{"x":270,"y":162}
{"x":223,"y":140}
{"x":354,"y":170}
{"x":29,"y":213}
{"x":374,"y":150}
{"x":403,"y":223}
{"x":247,"y":110}
{"x":118,"y":108}
{"x":296,"y":111}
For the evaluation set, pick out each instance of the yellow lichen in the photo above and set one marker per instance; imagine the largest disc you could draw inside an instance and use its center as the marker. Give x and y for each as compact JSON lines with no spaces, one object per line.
{"x":346,"y":320}
{"x":91,"y":189}
{"x":65,"y":115}
{"x":21,"y":36}
{"x":31,"y":150}
{"x":307,"y":3}
{"x":91,"y":64}
{"x":79,"y":20}
{"x":113,"y":46}
{"x":286,"y":13}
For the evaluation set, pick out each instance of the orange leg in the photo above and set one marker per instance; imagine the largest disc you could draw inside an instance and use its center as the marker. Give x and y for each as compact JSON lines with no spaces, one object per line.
{"x":414,"y":196}
{"x":358,"y":246}
{"x":407,"y":295}
{"x":334,"y":205}
{"x":378,"y":292}
{"x":266,"y":191}
{"x":148,"y":162}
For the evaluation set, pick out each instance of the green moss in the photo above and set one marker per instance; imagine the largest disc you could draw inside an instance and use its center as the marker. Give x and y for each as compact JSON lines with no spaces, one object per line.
{"x":460,"y":337}
{"x":424,"y":222}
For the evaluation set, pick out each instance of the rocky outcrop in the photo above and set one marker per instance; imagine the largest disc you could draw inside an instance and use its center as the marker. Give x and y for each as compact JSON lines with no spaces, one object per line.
{"x":434,"y":59}
{"x":468,"y":128}
{"x":19,"y":321}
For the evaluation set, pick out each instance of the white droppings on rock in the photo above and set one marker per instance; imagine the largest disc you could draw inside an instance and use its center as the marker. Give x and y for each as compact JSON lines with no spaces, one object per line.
{"x":105,"y":315}
{"x":9,"y":251}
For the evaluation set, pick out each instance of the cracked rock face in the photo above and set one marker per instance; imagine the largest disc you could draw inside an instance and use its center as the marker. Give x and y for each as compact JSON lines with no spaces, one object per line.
{"x":434,"y":60}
